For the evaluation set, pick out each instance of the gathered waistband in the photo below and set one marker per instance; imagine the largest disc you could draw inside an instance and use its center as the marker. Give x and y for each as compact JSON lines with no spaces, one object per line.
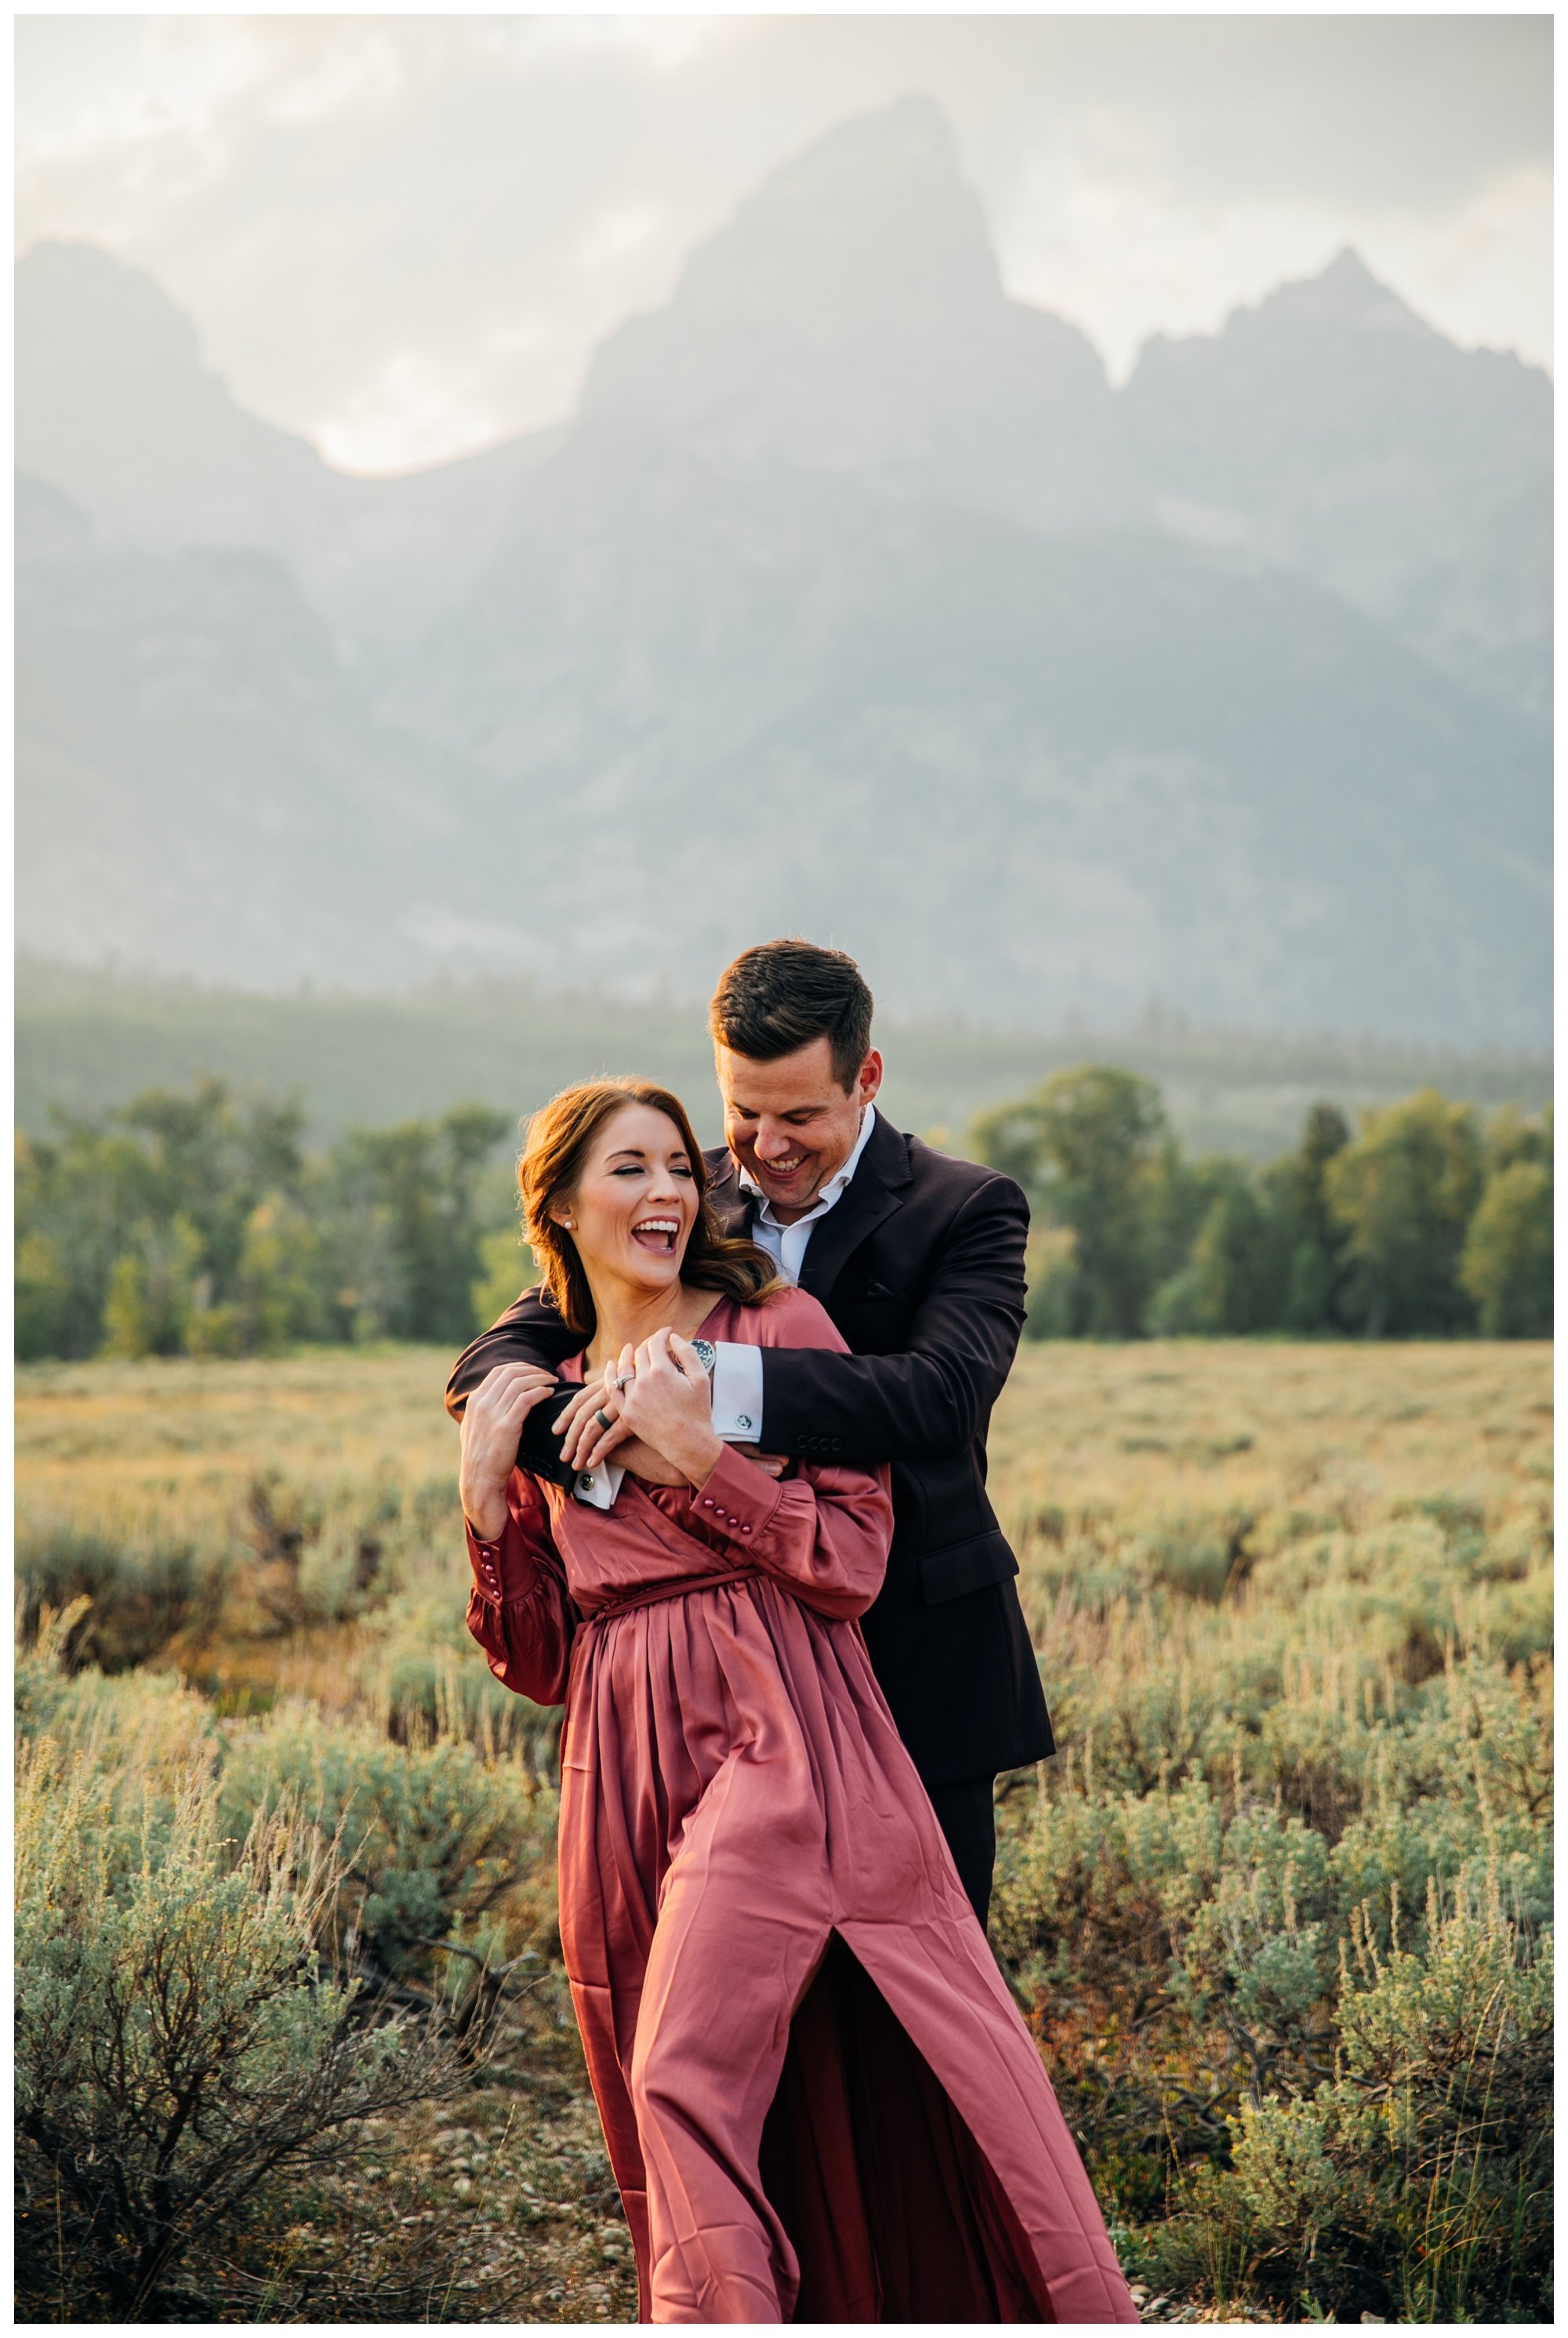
{"x":646,"y":1595}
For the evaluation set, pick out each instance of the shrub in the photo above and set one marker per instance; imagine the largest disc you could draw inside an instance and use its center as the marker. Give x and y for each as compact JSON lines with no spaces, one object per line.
{"x":141,"y":1726}
{"x":1279,"y":1907}
{"x":1415,"y":2184}
{"x":141,"y":1568}
{"x":417,"y":1661}
{"x":434,"y":1836}
{"x":1293,"y":1605}
{"x":255,"y":1558}
{"x":179,"y":2041}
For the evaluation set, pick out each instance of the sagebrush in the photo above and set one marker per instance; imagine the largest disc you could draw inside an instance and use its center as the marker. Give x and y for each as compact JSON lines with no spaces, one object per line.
{"x":1279,"y":1912}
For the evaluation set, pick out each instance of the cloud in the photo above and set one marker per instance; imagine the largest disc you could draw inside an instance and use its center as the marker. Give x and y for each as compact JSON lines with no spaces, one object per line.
{"x":414,"y":410}
{"x":395,"y":233}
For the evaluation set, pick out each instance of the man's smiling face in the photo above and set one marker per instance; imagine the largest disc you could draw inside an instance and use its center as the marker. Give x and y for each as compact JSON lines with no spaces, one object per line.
{"x":790,"y":1123}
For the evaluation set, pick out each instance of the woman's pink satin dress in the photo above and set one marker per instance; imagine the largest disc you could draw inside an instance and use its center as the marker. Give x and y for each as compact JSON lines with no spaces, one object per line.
{"x":819,"y":2100}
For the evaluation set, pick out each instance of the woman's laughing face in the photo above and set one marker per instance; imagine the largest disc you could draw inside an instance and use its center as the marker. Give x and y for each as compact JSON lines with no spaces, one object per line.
{"x":636,"y":1202}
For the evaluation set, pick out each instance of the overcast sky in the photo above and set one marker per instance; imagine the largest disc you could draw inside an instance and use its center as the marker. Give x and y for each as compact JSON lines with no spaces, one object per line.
{"x":403,"y":236}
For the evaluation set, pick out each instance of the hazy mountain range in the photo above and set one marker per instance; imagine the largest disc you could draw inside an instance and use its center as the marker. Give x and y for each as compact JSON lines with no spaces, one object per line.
{"x":854,"y":601}
{"x":88,"y":1041}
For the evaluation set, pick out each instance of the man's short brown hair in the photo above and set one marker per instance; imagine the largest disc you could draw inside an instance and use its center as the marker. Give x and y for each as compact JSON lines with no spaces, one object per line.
{"x":781,"y":996}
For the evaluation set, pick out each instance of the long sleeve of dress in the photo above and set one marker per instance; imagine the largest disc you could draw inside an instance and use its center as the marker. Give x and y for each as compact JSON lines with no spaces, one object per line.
{"x":824,"y":1534}
{"x":519,"y":1609}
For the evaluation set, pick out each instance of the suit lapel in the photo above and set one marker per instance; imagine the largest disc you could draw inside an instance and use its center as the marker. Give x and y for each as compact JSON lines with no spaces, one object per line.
{"x":873,"y":1194}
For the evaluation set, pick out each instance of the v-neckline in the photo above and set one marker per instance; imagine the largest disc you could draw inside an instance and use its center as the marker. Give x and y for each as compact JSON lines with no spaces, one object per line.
{"x":573,"y":1367}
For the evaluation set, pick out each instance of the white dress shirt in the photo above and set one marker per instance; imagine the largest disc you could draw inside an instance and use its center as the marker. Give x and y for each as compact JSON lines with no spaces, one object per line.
{"x":737,"y":1388}
{"x":737,"y":1369}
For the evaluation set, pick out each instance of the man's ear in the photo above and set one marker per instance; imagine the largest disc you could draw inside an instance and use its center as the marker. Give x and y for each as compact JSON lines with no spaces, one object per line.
{"x":869,"y":1079}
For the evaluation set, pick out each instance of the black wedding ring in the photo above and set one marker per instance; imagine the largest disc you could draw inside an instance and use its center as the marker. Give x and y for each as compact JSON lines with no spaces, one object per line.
{"x":602,"y":1417}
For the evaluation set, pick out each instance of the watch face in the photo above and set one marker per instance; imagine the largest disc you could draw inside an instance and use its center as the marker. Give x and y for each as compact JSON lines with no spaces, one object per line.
{"x":707,"y":1355}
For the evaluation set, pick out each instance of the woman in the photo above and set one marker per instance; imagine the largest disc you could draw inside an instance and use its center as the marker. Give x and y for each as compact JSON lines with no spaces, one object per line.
{"x":819,"y":2101}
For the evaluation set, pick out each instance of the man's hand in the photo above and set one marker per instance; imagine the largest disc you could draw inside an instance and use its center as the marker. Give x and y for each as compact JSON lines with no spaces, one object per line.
{"x":772,"y":1464}
{"x":586,"y":1441}
{"x":492,"y":1426}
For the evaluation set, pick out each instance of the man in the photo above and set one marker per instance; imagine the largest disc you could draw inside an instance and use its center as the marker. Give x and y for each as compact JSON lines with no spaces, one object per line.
{"x":919,"y":1261}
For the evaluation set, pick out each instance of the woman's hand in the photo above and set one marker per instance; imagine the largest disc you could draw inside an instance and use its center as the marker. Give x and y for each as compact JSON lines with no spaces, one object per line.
{"x":584,"y":1439}
{"x":666,"y":1403}
{"x":492,"y":1425}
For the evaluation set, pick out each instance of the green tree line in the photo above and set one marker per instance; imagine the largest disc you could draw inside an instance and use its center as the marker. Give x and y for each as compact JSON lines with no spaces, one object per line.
{"x":195,"y":1222}
{"x":1427,"y":1220}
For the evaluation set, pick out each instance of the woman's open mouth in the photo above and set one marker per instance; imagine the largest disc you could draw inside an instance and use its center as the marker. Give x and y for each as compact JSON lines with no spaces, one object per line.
{"x":659,"y":1235}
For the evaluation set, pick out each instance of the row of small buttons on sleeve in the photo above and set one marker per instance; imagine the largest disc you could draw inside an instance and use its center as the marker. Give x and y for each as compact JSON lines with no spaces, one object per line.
{"x":488,"y":1555}
{"x":820,"y":1444}
{"x":728,"y":1515}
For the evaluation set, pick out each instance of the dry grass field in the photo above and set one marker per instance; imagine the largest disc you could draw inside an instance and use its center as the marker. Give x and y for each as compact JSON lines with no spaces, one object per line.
{"x":1279,"y":1912}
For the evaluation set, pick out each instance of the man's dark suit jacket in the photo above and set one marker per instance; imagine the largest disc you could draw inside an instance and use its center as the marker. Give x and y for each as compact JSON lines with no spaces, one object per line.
{"x":920,"y":1264}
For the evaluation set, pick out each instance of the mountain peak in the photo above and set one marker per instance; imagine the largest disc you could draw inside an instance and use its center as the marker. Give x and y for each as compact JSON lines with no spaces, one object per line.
{"x":1349,"y":271}
{"x":83,"y":301}
{"x":116,"y":409}
{"x":883,"y":153}
{"x":1345,"y":297}
{"x":851,"y":313}
{"x":871,"y":216}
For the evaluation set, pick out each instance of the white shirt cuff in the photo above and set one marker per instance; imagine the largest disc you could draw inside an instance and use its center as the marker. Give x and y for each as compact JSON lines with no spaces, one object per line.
{"x":737,"y":1392}
{"x":598,"y":1487}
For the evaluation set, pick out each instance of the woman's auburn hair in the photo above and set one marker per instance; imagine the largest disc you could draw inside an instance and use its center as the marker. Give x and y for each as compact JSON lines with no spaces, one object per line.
{"x":560,"y":1134}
